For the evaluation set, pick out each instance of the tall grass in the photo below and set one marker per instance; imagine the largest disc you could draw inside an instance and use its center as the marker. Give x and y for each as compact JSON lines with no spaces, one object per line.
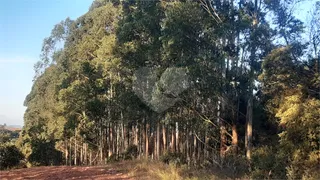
{"x":156,"y":170}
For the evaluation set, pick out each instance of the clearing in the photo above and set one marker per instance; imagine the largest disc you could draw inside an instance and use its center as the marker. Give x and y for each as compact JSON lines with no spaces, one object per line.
{"x":112,"y":172}
{"x":125,"y":170}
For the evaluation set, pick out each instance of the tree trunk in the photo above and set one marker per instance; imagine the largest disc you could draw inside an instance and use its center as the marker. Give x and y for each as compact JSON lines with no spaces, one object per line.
{"x":147,"y":141}
{"x":136,"y":135}
{"x":144,"y":136}
{"x":70,"y":156}
{"x":187,"y":144}
{"x":248,"y":139}
{"x":206,"y":154}
{"x":177,"y":137}
{"x":223,"y":137}
{"x":90,"y":158}
{"x":75,"y":149}
{"x":194,"y":148}
{"x":234,"y":138}
{"x":125,"y":140}
{"x":164,"y":138}
{"x":199,"y":148}
{"x":110,"y":141}
{"x":81,"y":155}
{"x":249,"y":115}
{"x":158,"y":139}
{"x":66,"y":152}
{"x":173,"y":143}
{"x":85,"y":154}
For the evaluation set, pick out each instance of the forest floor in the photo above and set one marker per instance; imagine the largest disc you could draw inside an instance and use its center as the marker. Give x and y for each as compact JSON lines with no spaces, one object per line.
{"x":125,"y":170}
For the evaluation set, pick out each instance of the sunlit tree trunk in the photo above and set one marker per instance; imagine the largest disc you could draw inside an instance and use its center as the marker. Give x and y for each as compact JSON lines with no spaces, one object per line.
{"x":248,"y":141}
{"x":110,"y":141}
{"x":66,"y":152}
{"x":158,"y":139}
{"x":75,"y":148}
{"x":234,"y":138}
{"x":164,"y":138}
{"x":173,"y":143}
{"x":147,"y":140}
{"x":194,"y":147}
{"x":177,"y":137}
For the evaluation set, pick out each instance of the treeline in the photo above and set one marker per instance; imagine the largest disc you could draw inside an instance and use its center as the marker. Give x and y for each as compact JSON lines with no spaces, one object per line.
{"x":10,"y":155}
{"x":232,"y":84}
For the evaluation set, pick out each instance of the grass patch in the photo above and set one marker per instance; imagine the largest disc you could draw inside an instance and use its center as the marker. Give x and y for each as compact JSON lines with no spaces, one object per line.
{"x":146,"y":169}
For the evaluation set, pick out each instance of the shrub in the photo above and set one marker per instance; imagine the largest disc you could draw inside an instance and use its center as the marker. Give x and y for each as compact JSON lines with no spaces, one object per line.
{"x":10,"y":156}
{"x":173,"y":158}
{"x":131,"y":152}
{"x":267,"y":163}
{"x":44,"y":153}
{"x":113,"y":158}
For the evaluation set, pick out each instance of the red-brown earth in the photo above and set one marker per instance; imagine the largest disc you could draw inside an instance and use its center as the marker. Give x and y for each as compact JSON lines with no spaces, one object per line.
{"x":108,"y":172}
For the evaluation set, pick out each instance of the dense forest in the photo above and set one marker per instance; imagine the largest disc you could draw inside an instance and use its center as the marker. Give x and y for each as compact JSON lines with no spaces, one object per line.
{"x":228,"y":84}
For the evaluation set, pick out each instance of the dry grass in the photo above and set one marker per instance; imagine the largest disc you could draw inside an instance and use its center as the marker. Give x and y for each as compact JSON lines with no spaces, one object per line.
{"x":155,"y":170}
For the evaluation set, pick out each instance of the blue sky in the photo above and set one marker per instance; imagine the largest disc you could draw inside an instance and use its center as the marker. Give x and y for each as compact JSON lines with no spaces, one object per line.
{"x":23,"y":26}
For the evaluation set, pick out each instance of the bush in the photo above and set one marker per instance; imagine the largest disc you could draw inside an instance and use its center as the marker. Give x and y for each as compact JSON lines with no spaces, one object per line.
{"x":235,"y":165}
{"x":113,"y":158}
{"x":10,"y":156}
{"x":173,"y":158}
{"x":267,"y":163}
{"x":131,"y":152}
{"x":44,"y":153}
{"x":304,"y":165}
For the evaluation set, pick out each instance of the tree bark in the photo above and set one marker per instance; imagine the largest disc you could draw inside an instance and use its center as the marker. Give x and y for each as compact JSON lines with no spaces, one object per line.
{"x":173,"y":144}
{"x":66,"y":152}
{"x":177,"y":137}
{"x":147,"y":141}
{"x":248,"y":141}
{"x":234,"y":138}
{"x":164,"y":138}
{"x":136,"y":135}
{"x":158,"y":140}
{"x":110,"y":141}
{"x":249,"y":115}
{"x":75,"y":148}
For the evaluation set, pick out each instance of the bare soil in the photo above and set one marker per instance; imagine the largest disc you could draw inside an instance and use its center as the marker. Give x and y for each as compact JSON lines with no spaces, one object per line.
{"x":117,"y":171}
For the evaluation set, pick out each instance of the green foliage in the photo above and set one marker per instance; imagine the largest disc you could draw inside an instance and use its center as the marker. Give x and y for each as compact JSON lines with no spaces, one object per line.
{"x":267,"y":163}
{"x":301,"y":137}
{"x":296,"y":108}
{"x":10,"y":156}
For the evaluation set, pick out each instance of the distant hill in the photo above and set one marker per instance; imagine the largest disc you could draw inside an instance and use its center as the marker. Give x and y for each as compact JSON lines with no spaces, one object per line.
{"x":11,"y":127}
